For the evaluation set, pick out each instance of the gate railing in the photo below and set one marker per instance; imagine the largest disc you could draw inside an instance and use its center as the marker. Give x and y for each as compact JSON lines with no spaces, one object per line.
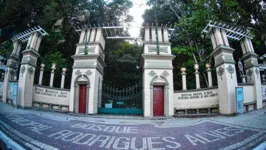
{"x":130,"y":97}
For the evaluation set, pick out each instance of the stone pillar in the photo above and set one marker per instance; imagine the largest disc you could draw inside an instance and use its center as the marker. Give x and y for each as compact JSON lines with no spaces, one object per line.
{"x":41,"y":74}
{"x":27,"y":70}
{"x":252,"y":69}
{"x":225,"y":68}
{"x":88,"y":70}
{"x":11,"y":67}
{"x":184,"y":78}
{"x":196,"y":67}
{"x":63,"y":78}
{"x":52,"y":75}
{"x":157,"y":71}
{"x":209,"y":73}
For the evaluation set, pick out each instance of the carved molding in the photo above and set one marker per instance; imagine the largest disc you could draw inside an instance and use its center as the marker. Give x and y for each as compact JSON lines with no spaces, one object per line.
{"x":22,"y":70}
{"x":230,"y":70}
{"x":152,"y":73}
{"x":31,"y":71}
{"x":88,"y":73}
{"x":12,"y":72}
{"x":78,"y":73}
{"x":249,"y":73}
{"x":221,"y":72}
{"x":165,"y":73}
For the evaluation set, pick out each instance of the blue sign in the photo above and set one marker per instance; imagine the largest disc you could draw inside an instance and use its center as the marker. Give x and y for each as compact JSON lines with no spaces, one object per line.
{"x":15,"y":93}
{"x":239,"y":100}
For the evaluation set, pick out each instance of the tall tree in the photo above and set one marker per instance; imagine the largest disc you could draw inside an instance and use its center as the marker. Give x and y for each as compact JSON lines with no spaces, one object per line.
{"x":190,"y":18}
{"x":18,"y":15}
{"x":123,"y":64}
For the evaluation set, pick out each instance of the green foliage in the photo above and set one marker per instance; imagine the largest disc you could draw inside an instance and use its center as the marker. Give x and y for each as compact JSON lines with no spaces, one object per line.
{"x":6,"y":49}
{"x":56,"y":58}
{"x":18,"y":15}
{"x":190,"y":17}
{"x":123,"y":61}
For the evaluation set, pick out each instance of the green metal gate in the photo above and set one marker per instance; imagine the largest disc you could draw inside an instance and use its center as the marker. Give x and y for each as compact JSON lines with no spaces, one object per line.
{"x":127,"y":101}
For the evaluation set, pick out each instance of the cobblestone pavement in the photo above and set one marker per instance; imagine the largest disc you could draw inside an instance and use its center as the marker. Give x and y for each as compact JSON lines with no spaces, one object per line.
{"x":32,"y":129}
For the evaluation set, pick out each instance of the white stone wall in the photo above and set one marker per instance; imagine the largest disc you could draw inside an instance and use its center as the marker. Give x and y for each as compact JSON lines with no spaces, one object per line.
{"x":25,"y":87}
{"x":168,"y":103}
{"x":49,"y":95}
{"x":146,"y":49}
{"x":93,"y":90}
{"x":249,"y":93}
{"x":72,"y":91}
{"x":192,"y":99}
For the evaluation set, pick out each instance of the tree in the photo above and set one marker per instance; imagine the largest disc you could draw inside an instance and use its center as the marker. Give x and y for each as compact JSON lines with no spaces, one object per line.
{"x":123,"y":64}
{"x":190,"y":19}
{"x":18,"y":15}
{"x":6,"y":49}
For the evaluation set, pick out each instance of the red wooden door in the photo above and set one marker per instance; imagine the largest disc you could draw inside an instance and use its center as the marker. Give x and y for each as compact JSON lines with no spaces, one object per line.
{"x":158,"y":101}
{"x":82,"y":98}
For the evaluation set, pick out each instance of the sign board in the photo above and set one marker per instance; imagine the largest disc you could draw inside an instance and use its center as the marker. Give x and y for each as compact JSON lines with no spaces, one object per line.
{"x":10,"y":90}
{"x":239,"y":100}
{"x":15,"y":93}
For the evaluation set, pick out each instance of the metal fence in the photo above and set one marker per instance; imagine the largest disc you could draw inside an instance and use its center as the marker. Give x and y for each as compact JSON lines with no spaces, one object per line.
{"x":121,"y":101}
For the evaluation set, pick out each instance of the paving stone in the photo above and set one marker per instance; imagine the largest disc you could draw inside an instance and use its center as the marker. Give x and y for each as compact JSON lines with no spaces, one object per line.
{"x":33,"y":129}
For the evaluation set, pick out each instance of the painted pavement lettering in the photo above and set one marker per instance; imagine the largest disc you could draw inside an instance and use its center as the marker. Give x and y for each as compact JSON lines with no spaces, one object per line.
{"x":35,"y":132}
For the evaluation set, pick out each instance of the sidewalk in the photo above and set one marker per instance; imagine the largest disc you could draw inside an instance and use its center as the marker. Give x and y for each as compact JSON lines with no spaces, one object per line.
{"x":36,"y":129}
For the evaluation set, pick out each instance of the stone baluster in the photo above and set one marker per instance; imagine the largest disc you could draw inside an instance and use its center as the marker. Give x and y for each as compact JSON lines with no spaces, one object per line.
{"x":184,"y":78}
{"x":209,"y":72}
{"x":52,"y":75}
{"x":196,"y":67}
{"x":63,"y":78}
{"x":41,"y":74}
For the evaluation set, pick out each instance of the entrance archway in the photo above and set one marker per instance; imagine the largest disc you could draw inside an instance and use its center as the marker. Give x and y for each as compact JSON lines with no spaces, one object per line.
{"x":81,"y":88}
{"x":156,"y":55}
{"x":159,"y":96}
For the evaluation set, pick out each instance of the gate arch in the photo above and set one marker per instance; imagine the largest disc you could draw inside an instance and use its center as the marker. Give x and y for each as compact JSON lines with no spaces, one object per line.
{"x":81,"y":80}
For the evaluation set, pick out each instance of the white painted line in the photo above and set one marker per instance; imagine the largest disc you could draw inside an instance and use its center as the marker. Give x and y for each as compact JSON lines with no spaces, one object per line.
{"x":262,"y":146}
{"x":9,"y":142}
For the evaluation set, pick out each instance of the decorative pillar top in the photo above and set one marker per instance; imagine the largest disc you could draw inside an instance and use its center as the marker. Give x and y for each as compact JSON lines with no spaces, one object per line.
{"x":64,"y":71}
{"x":183,"y":70}
{"x":150,"y":34}
{"x":25,"y":35}
{"x":42,"y":66}
{"x":196,"y":67}
{"x":220,"y":32}
{"x":208,"y":66}
{"x":53,"y":67}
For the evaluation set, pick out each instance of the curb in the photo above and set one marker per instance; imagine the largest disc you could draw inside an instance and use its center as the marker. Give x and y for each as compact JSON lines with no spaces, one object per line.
{"x":261,"y":146}
{"x":10,"y":144}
